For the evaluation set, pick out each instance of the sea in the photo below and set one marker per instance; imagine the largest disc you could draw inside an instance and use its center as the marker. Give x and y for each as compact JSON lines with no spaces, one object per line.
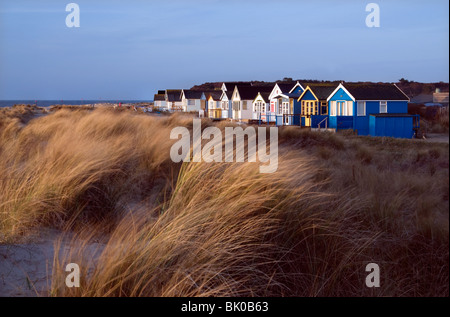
{"x":48,"y":103}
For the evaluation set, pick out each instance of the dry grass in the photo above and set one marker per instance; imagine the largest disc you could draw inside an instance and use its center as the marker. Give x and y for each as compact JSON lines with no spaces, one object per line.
{"x":79,"y":166}
{"x":335,"y":204}
{"x":442,"y":125}
{"x":436,"y":124}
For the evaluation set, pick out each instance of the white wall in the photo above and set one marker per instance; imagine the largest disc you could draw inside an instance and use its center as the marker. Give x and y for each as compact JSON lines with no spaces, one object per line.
{"x":193,"y":108}
{"x":160,"y":104}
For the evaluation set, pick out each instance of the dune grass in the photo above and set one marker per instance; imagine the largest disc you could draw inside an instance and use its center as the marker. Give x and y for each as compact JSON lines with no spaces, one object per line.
{"x":335,"y":204}
{"x":79,"y":166}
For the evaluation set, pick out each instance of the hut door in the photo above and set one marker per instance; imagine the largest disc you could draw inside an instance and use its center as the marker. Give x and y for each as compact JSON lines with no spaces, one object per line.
{"x":307,"y":121}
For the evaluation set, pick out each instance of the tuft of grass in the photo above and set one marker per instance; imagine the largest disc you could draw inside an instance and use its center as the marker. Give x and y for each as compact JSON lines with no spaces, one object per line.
{"x":364,"y":155}
{"x":305,"y":138}
{"x":230,"y":231}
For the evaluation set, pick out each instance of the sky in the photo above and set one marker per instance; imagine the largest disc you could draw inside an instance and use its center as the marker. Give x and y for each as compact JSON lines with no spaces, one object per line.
{"x":130,"y":49}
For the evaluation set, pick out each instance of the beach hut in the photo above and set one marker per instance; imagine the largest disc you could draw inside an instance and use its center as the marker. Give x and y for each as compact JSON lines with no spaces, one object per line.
{"x":261,"y":105}
{"x":226,"y":105}
{"x":214,"y":104}
{"x":159,"y":100}
{"x":192,"y":100}
{"x":242,"y":100}
{"x":173,"y":99}
{"x":312,"y":104}
{"x":355,"y":106}
{"x":280,"y":99}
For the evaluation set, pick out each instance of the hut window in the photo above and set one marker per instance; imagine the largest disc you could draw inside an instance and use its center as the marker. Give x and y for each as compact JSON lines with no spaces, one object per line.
{"x":260,"y":106}
{"x":383,"y":106}
{"x":285,"y":107}
{"x":324,"y":109}
{"x":340,"y":106}
{"x":361,"y":108}
{"x":349,"y":108}
{"x":333,"y":108}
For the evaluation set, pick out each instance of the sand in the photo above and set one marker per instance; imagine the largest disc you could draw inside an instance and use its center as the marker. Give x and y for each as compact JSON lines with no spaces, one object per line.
{"x":440,"y":138}
{"x":26,"y":268}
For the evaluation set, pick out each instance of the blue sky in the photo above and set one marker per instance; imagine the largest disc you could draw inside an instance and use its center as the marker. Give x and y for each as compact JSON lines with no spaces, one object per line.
{"x":129,"y":49}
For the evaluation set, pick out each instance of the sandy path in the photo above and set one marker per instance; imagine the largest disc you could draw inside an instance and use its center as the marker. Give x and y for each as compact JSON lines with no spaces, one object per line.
{"x":440,"y":138}
{"x":26,"y":268}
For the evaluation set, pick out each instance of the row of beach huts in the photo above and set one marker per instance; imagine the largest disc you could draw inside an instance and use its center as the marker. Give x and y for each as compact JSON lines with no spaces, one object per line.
{"x":376,"y":109}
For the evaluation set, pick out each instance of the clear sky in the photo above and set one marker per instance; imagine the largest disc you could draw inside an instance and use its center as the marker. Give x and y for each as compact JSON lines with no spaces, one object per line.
{"x":129,"y":49}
